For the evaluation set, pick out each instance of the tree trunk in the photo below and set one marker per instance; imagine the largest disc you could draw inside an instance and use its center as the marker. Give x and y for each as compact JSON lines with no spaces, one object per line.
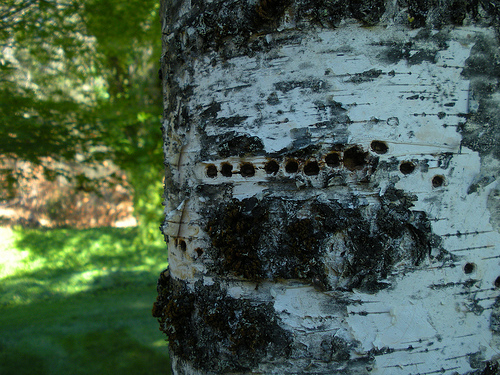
{"x":331,"y":186}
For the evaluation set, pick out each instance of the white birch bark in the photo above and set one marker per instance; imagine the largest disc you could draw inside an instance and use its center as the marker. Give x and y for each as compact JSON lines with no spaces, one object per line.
{"x":331,"y":200}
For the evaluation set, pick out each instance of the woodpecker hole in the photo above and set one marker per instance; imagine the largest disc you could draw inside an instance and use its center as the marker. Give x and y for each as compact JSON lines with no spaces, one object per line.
{"x":182,"y":245}
{"x":247,"y":170}
{"x":497,"y":282}
{"x":437,"y":181}
{"x":407,"y":167}
{"x":332,"y":159}
{"x":469,"y":267}
{"x":379,"y":147}
{"x":199,"y":251}
{"x":226,"y":170}
{"x":355,"y":158}
{"x":311,"y":168}
{"x":292,"y":166}
{"x":211,"y":171}
{"x":271,"y":167}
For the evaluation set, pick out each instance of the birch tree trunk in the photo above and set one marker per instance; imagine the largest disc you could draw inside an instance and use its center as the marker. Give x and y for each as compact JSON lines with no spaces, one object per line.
{"x":332,"y":204}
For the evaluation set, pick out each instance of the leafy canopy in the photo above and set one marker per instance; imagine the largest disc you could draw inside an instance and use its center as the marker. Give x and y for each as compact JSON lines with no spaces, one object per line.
{"x":79,"y":79}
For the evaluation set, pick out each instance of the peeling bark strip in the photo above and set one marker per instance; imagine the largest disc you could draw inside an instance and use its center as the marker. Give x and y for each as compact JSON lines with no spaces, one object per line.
{"x":332,"y":204}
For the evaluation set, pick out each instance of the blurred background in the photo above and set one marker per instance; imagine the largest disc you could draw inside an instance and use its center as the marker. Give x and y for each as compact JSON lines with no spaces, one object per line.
{"x":81,"y":173}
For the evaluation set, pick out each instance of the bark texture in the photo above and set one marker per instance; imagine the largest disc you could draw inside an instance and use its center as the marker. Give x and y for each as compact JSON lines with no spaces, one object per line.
{"x":331,"y":186}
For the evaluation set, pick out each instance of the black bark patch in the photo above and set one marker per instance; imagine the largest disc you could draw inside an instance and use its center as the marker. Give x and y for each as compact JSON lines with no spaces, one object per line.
{"x":366,"y":76}
{"x":323,"y":12}
{"x":215,"y":332}
{"x":481,"y":132}
{"x":273,"y":99}
{"x":235,"y":232}
{"x":231,"y":144}
{"x":268,"y":239}
{"x":413,"y":52}
{"x":495,"y":317}
{"x":208,"y":118}
{"x":335,"y":111}
{"x":335,"y":349}
{"x":241,"y":145}
{"x":418,"y":11}
{"x":227,"y":122}
{"x":372,"y":246}
{"x":328,"y":13}
{"x":269,"y":12}
{"x":291,"y":166}
{"x":211,"y":171}
{"x":436,"y":14}
{"x":490,"y":368}
{"x":313,"y":84}
{"x":226,"y":170}
{"x":369,"y":12}
{"x":302,"y":246}
{"x":211,"y":111}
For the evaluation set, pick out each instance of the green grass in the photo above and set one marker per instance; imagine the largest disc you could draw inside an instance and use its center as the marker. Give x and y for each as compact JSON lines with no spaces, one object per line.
{"x":79,"y":302}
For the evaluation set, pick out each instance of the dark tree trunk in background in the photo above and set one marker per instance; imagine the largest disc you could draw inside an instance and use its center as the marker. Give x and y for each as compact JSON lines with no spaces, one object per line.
{"x":332,"y":204}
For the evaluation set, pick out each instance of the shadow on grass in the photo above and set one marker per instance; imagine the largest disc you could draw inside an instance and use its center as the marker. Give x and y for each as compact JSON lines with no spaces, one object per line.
{"x":27,"y":287}
{"x":79,"y":302}
{"x":109,"y":332}
{"x":61,"y":262}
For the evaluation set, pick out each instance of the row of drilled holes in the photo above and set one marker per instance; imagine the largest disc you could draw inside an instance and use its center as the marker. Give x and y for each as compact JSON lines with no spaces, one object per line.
{"x":471,"y":267}
{"x":408,"y":167}
{"x":354,"y":158}
{"x":311,"y":168}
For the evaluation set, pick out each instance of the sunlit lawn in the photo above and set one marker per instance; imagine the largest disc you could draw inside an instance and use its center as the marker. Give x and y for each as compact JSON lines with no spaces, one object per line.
{"x":79,"y":302}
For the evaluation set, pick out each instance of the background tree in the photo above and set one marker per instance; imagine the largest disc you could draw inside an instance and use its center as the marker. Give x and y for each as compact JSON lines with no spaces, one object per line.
{"x":79,"y":82}
{"x":331,"y":171}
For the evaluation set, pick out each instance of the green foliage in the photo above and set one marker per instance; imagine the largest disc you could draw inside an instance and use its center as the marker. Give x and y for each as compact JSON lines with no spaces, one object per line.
{"x":79,"y":78}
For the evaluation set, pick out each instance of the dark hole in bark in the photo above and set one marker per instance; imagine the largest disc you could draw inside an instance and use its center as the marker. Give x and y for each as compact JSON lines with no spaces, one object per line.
{"x":354,"y":158}
{"x":379,"y":147}
{"x":271,"y":167}
{"x":292,"y":166}
{"x":407,"y":167}
{"x":247,"y":170}
{"x":437,"y":181}
{"x":497,"y":282}
{"x":199,"y":251}
{"x":311,"y":168}
{"x":469,"y":267}
{"x":182,"y":245}
{"x":226,"y":170}
{"x":332,"y":159}
{"x":211,"y":171}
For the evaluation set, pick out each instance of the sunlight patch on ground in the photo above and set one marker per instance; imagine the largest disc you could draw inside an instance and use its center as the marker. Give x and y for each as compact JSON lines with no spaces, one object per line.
{"x":159,"y":343}
{"x":12,"y":258}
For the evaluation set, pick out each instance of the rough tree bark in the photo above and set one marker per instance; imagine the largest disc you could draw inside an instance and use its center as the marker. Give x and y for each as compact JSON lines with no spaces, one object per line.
{"x":331,"y":186}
